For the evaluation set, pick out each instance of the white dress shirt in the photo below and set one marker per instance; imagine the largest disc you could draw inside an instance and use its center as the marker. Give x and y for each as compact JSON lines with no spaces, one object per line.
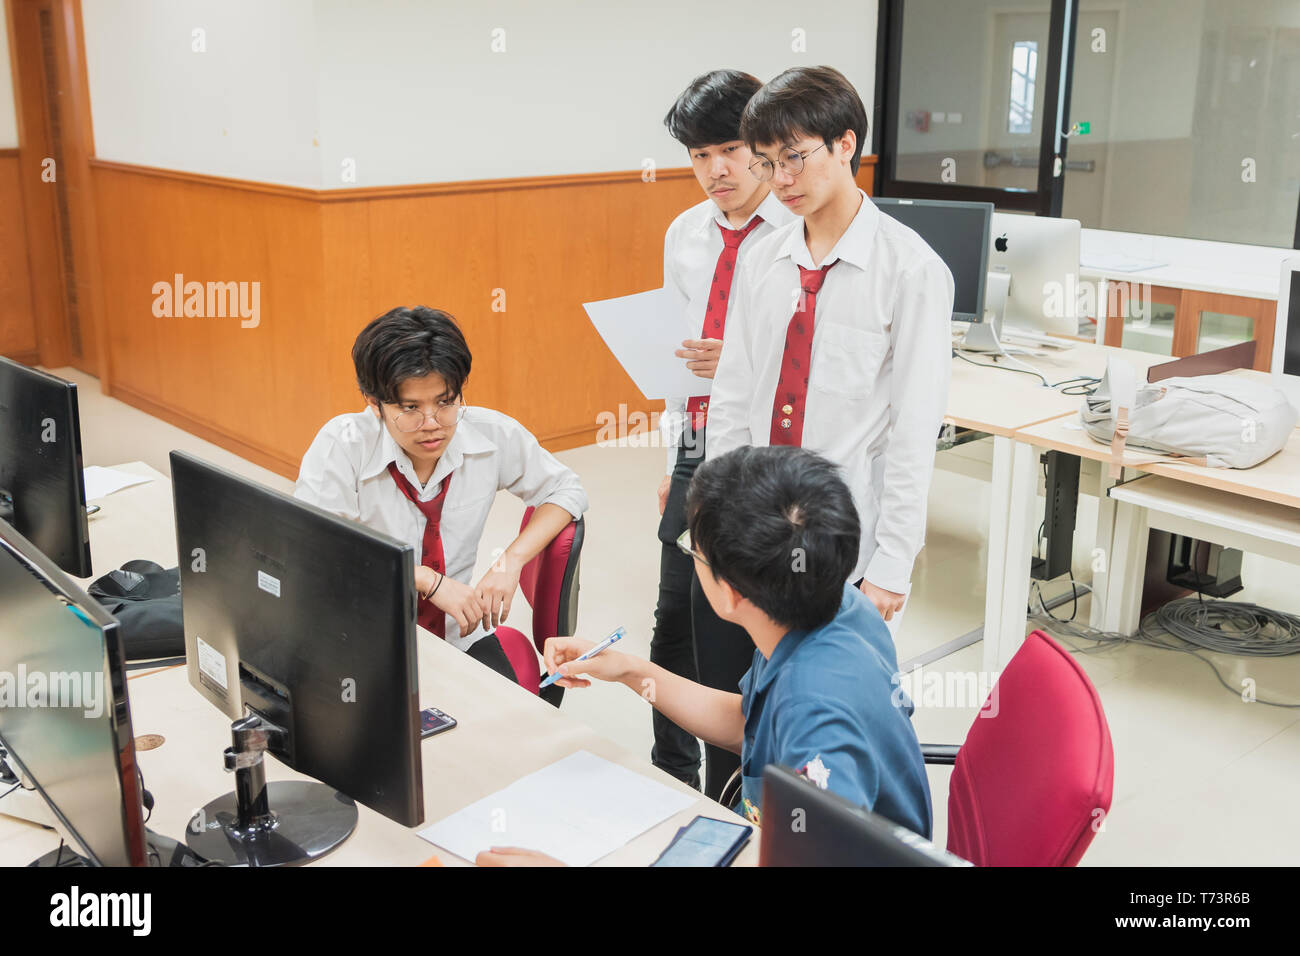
{"x":692,"y":245}
{"x":345,"y":471}
{"x":878,"y":384}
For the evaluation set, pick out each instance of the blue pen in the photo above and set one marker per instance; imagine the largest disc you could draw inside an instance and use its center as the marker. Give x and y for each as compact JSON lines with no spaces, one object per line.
{"x":603,"y":645}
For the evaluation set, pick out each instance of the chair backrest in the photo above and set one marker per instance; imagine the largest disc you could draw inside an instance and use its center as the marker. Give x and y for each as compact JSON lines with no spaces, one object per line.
{"x":550,"y":583}
{"x":1032,"y":783}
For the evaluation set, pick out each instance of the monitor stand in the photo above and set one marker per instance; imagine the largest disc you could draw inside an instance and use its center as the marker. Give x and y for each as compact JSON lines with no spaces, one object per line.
{"x":986,"y":336}
{"x":268,"y":824}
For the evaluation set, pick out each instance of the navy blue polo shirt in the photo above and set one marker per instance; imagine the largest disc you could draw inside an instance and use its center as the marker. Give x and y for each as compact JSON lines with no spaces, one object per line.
{"x":826,"y":704}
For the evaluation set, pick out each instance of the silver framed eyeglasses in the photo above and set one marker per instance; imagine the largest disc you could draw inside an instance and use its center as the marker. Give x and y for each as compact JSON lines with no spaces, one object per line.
{"x":791,"y":161}
{"x":446,"y":414}
{"x":687,"y":547}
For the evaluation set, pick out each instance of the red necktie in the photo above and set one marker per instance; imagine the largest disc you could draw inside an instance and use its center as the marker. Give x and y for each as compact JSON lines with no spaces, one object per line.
{"x":431,"y":617}
{"x":715,"y":315}
{"x":792,"y":387}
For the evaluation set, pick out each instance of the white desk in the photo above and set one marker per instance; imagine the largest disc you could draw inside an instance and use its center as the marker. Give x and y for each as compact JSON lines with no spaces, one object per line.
{"x":504,"y":732}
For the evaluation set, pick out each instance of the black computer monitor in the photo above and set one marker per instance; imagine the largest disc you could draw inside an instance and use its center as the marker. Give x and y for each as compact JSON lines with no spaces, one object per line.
{"x":959,"y":233}
{"x":42,"y":486}
{"x":806,"y":826}
{"x":300,"y":626}
{"x":71,"y":741}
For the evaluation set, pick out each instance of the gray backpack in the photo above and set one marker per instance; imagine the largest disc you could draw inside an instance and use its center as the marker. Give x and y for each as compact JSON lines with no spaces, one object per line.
{"x":1222,"y":421}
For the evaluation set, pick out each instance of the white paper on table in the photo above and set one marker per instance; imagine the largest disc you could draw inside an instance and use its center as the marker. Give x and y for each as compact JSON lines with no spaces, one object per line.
{"x":101,"y":482}
{"x":578,"y":810}
{"x":643,"y":331}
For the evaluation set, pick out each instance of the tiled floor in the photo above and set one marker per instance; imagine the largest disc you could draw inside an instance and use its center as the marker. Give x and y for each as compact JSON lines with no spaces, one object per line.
{"x":1200,"y":776}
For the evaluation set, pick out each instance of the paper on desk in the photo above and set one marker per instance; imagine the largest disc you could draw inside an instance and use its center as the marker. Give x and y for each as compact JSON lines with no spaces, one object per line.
{"x":578,"y":810}
{"x":101,"y":481}
{"x":643,"y":331}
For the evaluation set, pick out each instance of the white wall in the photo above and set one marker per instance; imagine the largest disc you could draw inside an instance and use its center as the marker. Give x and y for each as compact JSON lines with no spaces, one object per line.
{"x":246,"y":107}
{"x":8,"y":116}
{"x":414,"y":93}
{"x":411,"y":91}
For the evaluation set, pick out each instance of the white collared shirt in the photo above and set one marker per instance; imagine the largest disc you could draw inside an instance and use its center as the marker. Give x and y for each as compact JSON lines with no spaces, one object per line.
{"x":692,"y":245}
{"x":878,"y":385}
{"x":345,"y":471}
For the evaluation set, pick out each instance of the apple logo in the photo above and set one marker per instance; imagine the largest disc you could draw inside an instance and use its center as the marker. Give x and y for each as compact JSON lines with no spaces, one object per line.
{"x":1000,"y":243}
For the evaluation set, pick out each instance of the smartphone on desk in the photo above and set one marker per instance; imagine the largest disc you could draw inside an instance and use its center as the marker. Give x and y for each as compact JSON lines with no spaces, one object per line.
{"x":433,"y":721}
{"x":705,"y":842}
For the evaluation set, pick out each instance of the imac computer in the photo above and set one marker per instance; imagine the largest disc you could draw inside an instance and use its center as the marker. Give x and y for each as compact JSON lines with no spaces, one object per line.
{"x":65,"y":722}
{"x":42,"y":486}
{"x":959,"y":233}
{"x":834,"y":831}
{"x":1286,"y":332}
{"x":1034,"y":278}
{"x":299,"y":626}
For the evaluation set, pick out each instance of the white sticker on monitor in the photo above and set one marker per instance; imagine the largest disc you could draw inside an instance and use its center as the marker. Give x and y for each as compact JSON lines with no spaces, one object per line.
{"x":268,"y":584}
{"x":212,"y":662}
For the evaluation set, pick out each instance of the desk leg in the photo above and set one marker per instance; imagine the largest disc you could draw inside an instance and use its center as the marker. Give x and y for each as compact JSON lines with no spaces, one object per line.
{"x":1105,"y":545}
{"x":1011,"y":541}
{"x":1128,"y":560}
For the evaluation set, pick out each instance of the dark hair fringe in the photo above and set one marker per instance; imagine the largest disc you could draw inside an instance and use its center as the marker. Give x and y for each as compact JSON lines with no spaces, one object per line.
{"x":806,"y":101}
{"x":408,"y":343}
{"x":708,"y":111}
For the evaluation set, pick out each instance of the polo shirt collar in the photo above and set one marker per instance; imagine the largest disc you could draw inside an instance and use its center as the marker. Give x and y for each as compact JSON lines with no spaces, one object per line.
{"x":781,"y":655}
{"x":854,"y":247}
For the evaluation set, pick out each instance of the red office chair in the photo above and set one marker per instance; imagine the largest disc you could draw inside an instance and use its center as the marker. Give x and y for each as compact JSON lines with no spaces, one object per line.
{"x":550,"y":584}
{"x":1030,"y":784}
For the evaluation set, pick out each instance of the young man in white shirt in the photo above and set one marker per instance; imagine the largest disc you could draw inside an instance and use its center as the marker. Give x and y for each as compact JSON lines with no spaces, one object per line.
{"x":839,"y":338}
{"x":702,"y":249}
{"x":424,"y":468}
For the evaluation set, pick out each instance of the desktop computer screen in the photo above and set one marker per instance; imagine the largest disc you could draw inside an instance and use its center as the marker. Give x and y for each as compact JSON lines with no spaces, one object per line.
{"x":42,"y":486}
{"x":959,"y":233}
{"x":64,"y":716}
{"x":1040,"y":257}
{"x":305,"y":622}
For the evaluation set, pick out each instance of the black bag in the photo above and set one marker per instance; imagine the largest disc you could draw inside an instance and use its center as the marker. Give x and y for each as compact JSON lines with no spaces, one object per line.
{"x":146,"y":600}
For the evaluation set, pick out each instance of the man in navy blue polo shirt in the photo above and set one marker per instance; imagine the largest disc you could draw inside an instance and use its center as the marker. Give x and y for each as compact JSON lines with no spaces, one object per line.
{"x":774,"y":534}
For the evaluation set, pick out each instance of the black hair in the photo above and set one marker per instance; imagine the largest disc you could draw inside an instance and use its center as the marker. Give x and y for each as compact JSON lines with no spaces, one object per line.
{"x":779,"y":525}
{"x":410,"y":343}
{"x":806,"y":101}
{"x":708,"y":112}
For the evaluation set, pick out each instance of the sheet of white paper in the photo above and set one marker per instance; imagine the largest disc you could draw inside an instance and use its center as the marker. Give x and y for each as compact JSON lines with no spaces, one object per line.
{"x":578,"y":810}
{"x":101,"y":481}
{"x":643,"y":331}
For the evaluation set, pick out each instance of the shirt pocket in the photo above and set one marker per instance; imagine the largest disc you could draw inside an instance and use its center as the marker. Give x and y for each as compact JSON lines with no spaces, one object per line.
{"x":846,"y":361}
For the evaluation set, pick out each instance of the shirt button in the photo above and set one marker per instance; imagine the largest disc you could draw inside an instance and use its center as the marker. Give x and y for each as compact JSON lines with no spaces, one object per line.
{"x":785,"y":423}
{"x":787,"y":409}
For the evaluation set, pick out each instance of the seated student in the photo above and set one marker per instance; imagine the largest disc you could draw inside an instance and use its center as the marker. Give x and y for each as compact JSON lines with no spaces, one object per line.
{"x":774,"y":534}
{"x":421,"y":466}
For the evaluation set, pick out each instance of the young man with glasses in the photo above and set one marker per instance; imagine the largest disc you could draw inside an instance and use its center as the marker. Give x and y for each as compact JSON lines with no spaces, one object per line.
{"x":422,"y":467}
{"x":839,"y":338}
{"x":821,"y":694}
{"x":702,"y":249}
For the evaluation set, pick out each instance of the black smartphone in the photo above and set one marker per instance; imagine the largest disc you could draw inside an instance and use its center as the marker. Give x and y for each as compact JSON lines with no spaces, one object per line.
{"x":433,"y":721}
{"x":705,"y":842}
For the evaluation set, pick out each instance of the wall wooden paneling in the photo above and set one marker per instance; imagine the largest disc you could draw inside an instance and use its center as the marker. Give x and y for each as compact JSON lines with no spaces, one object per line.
{"x":17,"y":315}
{"x":328,"y":261}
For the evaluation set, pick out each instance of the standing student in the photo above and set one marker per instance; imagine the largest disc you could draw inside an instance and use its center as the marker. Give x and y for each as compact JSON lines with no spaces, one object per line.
{"x":839,"y":339}
{"x":702,"y":250}
{"x":423,"y":467}
{"x":820,"y":695}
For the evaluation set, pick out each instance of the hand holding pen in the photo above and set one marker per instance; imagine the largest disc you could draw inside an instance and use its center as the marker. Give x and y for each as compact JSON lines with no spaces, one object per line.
{"x":579,"y":656}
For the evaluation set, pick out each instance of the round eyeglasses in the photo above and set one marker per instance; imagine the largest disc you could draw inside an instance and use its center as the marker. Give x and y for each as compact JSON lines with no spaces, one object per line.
{"x":791,"y":161}
{"x":447,"y":414}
